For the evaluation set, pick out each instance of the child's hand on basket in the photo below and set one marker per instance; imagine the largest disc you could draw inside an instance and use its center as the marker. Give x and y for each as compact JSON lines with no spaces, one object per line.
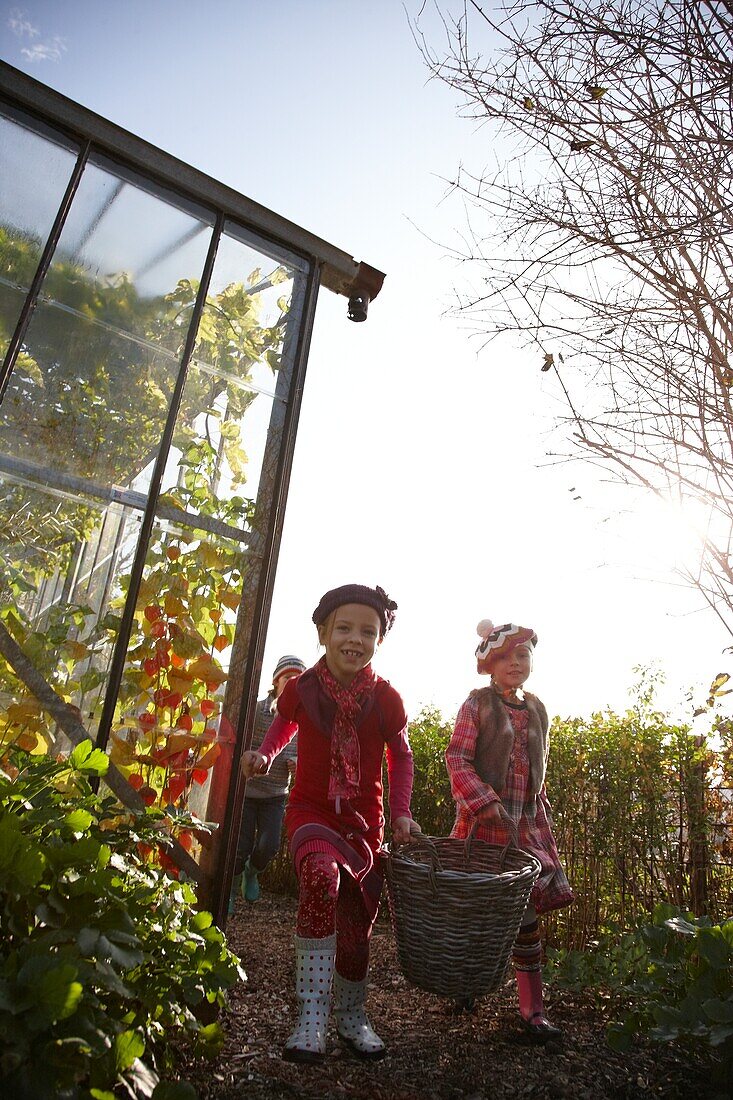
{"x":403,"y":830}
{"x":491,"y":814}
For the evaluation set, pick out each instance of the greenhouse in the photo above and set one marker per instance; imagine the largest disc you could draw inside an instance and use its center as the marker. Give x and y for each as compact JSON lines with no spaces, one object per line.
{"x":155,"y":327}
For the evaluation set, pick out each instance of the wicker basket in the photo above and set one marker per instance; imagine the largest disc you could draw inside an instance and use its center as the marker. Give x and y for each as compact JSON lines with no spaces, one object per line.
{"x":456,"y":907}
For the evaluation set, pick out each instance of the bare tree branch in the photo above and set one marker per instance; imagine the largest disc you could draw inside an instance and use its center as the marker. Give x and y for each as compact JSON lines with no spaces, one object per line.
{"x":604,"y":233}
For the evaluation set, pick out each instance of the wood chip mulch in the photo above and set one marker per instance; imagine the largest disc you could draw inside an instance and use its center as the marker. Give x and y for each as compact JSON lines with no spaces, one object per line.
{"x":432,"y":1055}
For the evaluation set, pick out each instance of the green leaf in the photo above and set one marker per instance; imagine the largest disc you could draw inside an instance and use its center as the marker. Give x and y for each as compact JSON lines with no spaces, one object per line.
{"x":84,"y":850}
{"x":124,"y":957}
{"x":720,"y":1035}
{"x":230,"y":429}
{"x":143,"y":1079}
{"x":720,"y":1012}
{"x":78,"y":820}
{"x":210,"y":1039}
{"x":88,"y":760}
{"x":20,"y":859}
{"x":87,"y":940}
{"x":664,"y":911}
{"x":679,"y":924}
{"x":112,"y":948}
{"x":202,"y":920}
{"x":108,"y":978}
{"x":10,"y":841}
{"x":618,"y":1038}
{"x":59,"y":993}
{"x":726,"y":930}
{"x":713,"y":948}
{"x":129,"y":1045}
{"x":91,"y":679}
{"x":665,"y":1033}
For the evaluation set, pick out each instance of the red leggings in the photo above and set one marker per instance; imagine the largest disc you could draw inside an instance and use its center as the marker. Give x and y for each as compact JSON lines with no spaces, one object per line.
{"x":330,"y":901}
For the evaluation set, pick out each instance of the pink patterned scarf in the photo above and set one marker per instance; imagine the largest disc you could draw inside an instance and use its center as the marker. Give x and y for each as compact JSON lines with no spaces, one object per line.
{"x":344,"y":779}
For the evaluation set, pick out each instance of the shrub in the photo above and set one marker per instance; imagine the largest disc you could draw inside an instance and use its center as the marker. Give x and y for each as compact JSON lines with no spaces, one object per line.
{"x":670,"y":980}
{"x":103,"y":958}
{"x":642,"y":815}
{"x":432,"y":802}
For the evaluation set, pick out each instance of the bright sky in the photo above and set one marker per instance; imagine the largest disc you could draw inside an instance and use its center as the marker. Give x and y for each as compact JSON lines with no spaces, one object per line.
{"x":421,"y":459}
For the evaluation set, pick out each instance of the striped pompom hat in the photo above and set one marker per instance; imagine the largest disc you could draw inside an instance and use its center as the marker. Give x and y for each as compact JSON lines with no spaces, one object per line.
{"x":497,"y":641}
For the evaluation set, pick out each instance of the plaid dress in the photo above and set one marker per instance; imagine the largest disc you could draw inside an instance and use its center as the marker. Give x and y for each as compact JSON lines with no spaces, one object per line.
{"x":532,"y":814}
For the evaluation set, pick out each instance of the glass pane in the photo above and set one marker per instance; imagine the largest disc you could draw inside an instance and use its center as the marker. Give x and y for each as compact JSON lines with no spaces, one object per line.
{"x":218,"y":448}
{"x":173,"y":709}
{"x":129,"y":258}
{"x":166,"y":731}
{"x":35,"y":172}
{"x":247,"y":312}
{"x":85,"y":400}
{"x":61,"y":587}
{"x":90,"y":393}
{"x":11,"y":303}
{"x":229,"y":420}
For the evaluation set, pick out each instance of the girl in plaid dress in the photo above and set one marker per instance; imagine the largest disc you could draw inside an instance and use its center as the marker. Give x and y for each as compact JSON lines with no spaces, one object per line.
{"x":496,"y":759}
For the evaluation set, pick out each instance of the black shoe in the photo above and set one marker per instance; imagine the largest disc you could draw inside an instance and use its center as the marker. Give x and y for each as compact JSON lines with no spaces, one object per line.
{"x":539,"y":1030}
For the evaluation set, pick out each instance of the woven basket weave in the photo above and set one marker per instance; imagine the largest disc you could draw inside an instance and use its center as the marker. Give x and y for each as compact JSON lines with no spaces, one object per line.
{"x":456,"y":907}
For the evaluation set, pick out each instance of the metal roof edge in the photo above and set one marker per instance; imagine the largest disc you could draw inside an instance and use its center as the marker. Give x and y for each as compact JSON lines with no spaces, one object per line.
{"x":340,"y":272}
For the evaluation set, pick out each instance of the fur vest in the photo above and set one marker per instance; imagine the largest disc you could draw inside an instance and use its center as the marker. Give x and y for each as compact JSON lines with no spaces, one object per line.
{"x":495,"y":740}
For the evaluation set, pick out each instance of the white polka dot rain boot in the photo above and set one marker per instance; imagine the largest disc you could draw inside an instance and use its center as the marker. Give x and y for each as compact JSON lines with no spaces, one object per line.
{"x":352,"y":1022}
{"x":314,"y":963}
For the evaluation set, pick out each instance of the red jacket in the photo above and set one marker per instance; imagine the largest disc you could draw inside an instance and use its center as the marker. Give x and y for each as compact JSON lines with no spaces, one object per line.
{"x":382,"y":723}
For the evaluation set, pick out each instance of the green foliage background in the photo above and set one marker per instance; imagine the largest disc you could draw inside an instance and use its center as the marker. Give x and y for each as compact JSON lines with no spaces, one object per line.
{"x":670,"y":979}
{"x":104,"y":961}
{"x":640,"y":813}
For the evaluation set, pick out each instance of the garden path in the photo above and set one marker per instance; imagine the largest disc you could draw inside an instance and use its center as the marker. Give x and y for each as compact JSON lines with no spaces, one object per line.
{"x":432,"y":1055}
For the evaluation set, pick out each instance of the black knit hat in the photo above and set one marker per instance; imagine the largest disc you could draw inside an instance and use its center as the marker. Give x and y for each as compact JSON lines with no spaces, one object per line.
{"x":357,"y":593}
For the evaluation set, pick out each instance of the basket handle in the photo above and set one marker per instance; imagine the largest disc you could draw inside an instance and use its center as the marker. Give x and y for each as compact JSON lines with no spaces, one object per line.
{"x":422,"y":842}
{"x":509,"y":823}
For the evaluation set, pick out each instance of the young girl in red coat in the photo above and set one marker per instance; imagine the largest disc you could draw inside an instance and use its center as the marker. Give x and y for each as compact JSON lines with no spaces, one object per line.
{"x":497,"y":758}
{"x":345,"y":715}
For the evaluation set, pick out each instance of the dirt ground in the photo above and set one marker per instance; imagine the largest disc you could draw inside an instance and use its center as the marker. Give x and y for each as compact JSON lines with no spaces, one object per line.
{"x":432,"y":1054}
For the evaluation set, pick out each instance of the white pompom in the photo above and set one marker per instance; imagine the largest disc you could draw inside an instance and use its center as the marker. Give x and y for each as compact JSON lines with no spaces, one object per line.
{"x":484,"y":628}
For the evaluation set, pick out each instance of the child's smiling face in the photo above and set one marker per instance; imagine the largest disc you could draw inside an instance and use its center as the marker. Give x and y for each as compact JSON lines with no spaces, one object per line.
{"x":282,"y":680}
{"x":510,"y":671}
{"x":351,"y":636}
